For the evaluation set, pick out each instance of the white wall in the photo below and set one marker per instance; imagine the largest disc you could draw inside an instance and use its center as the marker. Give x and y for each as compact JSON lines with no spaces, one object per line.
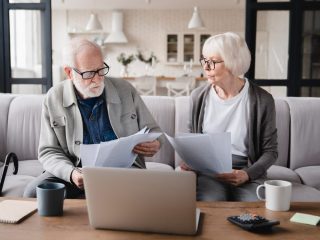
{"x":145,"y":30}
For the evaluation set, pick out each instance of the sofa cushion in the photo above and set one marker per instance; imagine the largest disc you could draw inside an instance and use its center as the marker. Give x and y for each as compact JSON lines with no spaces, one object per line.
{"x":181,"y":119}
{"x":26,"y":167}
{"x":305,"y":132}
{"x":310,"y":175}
{"x":5,"y":100}
{"x":158,"y":166}
{"x":283,"y":127}
{"x":304,"y":193}
{"x":14,"y":185}
{"x":162,"y":109}
{"x":282,"y":173}
{"x":24,"y":126}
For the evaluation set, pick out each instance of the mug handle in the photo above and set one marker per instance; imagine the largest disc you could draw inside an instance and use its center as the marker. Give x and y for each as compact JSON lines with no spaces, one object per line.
{"x":258,"y":192}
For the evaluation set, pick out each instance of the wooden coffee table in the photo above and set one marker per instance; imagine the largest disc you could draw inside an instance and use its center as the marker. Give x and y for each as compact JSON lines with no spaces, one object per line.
{"x":74,"y":225}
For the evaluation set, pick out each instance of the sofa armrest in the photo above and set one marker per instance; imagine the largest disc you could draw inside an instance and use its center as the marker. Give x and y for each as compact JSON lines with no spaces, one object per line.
{"x":282,"y":173}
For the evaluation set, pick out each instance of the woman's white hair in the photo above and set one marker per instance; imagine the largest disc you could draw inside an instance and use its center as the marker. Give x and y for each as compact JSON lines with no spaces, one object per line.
{"x":73,"y":47}
{"x":232,"y":49}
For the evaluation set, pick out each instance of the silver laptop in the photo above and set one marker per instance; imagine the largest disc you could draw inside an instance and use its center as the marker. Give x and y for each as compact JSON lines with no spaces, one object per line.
{"x":141,"y":200}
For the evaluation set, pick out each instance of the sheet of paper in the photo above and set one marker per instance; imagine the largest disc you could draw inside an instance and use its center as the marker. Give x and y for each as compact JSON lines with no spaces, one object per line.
{"x":116,"y":153}
{"x":89,"y":153}
{"x":120,"y":154}
{"x":207,"y":153}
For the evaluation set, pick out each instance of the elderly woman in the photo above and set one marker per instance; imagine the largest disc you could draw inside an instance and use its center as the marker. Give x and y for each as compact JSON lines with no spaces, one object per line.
{"x":232,"y":103}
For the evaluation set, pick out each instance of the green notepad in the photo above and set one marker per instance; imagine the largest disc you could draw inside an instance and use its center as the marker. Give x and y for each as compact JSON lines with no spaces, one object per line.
{"x":305,"y":218}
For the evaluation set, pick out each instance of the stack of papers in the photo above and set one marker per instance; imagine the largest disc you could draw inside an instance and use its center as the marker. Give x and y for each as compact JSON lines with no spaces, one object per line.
{"x":206,"y":153}
{"x":116,"y":153}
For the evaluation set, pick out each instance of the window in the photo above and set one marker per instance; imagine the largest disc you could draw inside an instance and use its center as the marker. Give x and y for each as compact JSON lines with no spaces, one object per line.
{"x":285,"y":39}
{"x":26,"y":49}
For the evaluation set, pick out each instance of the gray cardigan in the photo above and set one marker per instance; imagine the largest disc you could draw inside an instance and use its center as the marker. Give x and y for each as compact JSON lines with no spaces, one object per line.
{"x":263,"y":145}
{"x":62,"y":130}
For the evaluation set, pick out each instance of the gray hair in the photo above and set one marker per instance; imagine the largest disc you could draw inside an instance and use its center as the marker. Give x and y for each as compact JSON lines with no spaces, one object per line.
{"x":73,"y":47}
{"x":232,"y":49}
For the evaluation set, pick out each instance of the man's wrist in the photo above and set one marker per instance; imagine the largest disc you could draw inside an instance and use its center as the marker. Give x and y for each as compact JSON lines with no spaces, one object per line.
{"x":77,"y":170}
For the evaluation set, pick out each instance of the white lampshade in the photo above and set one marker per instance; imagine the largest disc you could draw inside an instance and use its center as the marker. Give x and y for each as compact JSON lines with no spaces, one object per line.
{"x":117,"y":35}
{"x":93,"y":23}
{"x":196,"y":21}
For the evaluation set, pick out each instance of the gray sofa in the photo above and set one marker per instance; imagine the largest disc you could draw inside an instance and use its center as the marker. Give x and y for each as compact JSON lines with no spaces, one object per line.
{"x":298,"y":137}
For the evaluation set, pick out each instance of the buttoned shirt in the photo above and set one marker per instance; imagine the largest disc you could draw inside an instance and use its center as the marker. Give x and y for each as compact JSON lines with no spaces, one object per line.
{"x":96,"y":122}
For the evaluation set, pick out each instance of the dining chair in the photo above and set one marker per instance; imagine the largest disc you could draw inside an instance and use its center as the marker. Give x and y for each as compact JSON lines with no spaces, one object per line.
{"x":181,"y":86}
{"x":145,"y":85}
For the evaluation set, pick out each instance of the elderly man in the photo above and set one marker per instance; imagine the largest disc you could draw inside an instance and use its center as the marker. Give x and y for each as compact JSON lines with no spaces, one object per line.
{"x":88,"y":108}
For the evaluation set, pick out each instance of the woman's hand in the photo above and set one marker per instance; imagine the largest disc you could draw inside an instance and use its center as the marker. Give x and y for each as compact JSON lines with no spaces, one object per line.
{"x":185,"y":167}
{"x":147,"y":149}
{"x":236,"y":177}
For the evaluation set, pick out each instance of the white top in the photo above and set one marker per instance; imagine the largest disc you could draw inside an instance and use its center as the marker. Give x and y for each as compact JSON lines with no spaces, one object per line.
{"x":231,"y":115}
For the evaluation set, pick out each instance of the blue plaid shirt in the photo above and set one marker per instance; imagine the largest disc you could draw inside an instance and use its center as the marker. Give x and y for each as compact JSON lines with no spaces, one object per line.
{"x":96,"y":124}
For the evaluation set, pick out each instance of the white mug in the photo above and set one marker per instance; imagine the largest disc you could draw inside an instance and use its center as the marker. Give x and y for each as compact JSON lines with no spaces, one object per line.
{"x":278,"y":194}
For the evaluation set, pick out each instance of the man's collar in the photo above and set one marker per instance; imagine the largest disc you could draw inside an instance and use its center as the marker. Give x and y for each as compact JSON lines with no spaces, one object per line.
{"x":69,"y":95}
{"x":112,"y":95}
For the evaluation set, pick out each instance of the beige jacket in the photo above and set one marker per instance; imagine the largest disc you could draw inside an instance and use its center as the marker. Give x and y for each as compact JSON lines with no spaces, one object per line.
{"x":62,"y":130}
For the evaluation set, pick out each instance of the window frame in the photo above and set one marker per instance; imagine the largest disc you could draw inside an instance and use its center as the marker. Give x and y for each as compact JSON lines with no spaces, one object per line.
{"x":296,"y":9}
{"x":6,"y":79}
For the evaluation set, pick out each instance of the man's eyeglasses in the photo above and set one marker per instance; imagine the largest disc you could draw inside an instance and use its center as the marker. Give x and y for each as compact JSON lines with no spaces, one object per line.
{"x":210,"y":63}
{"x":90,"y":74}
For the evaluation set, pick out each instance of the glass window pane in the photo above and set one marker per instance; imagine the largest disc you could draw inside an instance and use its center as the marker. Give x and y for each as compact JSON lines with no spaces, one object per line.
{"x":25,"y":43}
{"x":272,"y":45}
{"x":24,"y":1}
{"x":188,"y":47}
{"x":276,"y":91}
{"x":203,"y":38}
{"x":172,"y":48}
{"x":311,"y":45}
{"x":273,"y":0}
{"x":26,"y":88}
{"x":310,"y":92}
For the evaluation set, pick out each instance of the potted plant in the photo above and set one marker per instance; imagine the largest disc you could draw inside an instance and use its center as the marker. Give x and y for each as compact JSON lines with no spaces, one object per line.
{"x":125,"y":61}
{"x":150,"y":61}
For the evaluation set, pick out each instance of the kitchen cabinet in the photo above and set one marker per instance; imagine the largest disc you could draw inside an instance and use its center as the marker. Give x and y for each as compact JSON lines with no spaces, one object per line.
{"x":182,"y":48}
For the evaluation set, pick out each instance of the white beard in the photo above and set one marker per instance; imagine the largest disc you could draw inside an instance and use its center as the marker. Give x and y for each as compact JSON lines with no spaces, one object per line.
{"x":86,"y":91}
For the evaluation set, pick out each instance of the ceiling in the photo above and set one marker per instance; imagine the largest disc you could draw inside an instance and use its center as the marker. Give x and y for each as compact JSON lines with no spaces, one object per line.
{"x":147,"y":4}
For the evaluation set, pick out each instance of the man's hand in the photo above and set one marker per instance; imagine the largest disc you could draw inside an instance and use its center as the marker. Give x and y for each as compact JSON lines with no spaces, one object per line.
{"x":147,"y":149}
{"x":236,"y":177}
{"x":77,"y":178}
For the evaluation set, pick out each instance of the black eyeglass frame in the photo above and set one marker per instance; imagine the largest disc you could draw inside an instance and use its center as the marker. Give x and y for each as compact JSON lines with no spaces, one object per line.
{"x":208,"y":63}
{"x":93,"y":72}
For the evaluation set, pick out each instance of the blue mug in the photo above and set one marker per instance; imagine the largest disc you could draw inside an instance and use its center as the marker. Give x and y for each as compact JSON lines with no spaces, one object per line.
{"x":50,"y":197}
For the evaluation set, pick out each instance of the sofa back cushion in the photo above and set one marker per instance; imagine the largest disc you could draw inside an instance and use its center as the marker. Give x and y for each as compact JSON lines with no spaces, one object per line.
{"x":283,"y":127}
{"x":163,"y":111}
{"x":5,"y":100}
{"x":24,"y":119}
{"x":181,"y":119}
{"x":305,"y":132}
{"x":282,"y":123}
